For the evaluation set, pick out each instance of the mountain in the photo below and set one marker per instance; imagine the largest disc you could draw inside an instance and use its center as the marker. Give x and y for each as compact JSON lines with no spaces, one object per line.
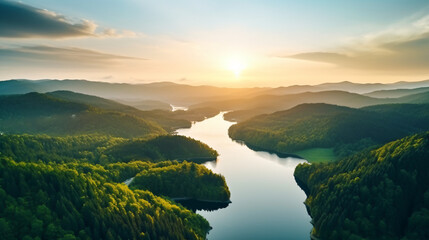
{"x":360,"y":88}
{"x":182,"y":94}
{"x":172,"y":93}
{"x":97,"y":102}
{"x":396,"y":93}
{"x":246,"y":108}
{"x":415,"y":98}
{"x":377,"y":194}
{"x":169,"y":120}
{"x":327,"y":126}
{"x":42,"y":113}
{"x":242,"y":109}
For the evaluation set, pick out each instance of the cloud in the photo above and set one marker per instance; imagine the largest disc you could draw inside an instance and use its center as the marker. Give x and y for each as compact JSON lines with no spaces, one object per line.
{"x":18,"y":20}
{"x":402,"y":49}
{"x":57,"y":56}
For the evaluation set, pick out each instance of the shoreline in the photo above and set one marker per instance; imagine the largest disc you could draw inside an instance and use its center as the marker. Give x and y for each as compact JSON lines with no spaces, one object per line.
{"x":199,"y":200}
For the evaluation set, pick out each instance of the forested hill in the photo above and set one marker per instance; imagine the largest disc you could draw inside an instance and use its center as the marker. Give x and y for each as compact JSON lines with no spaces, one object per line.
{"x":71,"y":188}
{"x":378,"y":194}
{"x":42,"y":201}
{"x":102,"y":150}
{"x":37,"y":113}
{"x":322,"y":125}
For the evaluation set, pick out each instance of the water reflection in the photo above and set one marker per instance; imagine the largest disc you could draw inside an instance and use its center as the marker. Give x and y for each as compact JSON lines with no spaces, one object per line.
{"x":195,"y":205}
{"x":266,"y":201}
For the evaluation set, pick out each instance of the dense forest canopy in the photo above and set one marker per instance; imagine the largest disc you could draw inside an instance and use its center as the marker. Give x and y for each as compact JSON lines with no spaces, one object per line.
{"x":54,"y":201}
{"x":71,"y":188}
{"x":376,"y":194}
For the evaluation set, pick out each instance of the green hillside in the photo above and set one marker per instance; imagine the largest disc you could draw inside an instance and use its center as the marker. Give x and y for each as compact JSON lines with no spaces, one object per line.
{"x":378,"y":194}
{"x":37,"y":113}
{"x":396,"y":93}
{"x":326,"y":126}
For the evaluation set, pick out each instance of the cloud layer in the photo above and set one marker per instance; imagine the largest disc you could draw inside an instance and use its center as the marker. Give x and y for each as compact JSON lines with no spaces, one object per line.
{"x":56,"y":56}
{"x":18,"y":20}
{"x":393,"y":50}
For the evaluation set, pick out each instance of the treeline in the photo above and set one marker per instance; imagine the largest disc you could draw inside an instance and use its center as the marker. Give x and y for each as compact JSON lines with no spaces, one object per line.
{"x":348,"y":130}
{"x":55,"y":201}
{"x":98,"y":149}
{"x":377,"y":194}
{"x":186,"y":180}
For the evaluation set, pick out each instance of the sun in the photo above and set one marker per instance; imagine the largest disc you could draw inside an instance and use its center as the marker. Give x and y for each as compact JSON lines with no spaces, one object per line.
{"x":236,"y":65}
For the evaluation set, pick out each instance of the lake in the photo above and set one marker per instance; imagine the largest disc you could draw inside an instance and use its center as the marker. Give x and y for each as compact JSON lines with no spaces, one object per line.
{"x":266,"y":201}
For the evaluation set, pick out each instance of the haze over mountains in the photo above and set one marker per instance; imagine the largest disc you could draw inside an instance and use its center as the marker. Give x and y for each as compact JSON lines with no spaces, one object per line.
{"x":181,"y":94}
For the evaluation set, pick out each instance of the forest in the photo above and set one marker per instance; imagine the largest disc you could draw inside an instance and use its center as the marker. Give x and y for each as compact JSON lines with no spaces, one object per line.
{"x":64,"y":158}
{"x":70,"y":188}
{"x":381,"y":193}
{"x":59,"y":201}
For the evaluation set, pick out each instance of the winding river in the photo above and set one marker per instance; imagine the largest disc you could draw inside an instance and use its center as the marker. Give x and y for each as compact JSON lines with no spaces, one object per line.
{"x":266,"y":201}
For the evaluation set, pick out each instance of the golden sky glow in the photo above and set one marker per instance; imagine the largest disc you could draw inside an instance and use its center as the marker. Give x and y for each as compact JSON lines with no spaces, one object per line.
{"x":246,"y":43}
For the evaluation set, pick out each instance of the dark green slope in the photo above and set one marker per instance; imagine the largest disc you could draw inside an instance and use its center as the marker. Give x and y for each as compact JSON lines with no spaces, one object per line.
{"x":323,"y":125}
{"x":95,"y":101}
{"x":416,"y":115}
{"x":57,"y":202}
{"x":378,"y":194}
{"x":415,"y":98}
{"x":396,"y":93}
{"x":36,"y":113}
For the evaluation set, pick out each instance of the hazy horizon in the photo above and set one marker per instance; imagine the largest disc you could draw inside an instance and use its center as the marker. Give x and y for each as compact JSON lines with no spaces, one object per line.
{"x":216,"y":43}
{"x":214,"y":85}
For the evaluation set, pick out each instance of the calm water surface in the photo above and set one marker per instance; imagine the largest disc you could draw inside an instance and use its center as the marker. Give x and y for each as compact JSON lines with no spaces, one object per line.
{"x":266,"y":202}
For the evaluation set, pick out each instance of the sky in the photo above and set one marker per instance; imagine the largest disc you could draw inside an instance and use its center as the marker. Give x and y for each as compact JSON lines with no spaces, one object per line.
{"x":219,"y":42}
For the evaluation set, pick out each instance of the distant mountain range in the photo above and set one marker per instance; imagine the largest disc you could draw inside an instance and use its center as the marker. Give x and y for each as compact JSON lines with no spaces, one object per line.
{"x":185,"y":95}
{"x":172,"y":93}
{"x":360,"y":88}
